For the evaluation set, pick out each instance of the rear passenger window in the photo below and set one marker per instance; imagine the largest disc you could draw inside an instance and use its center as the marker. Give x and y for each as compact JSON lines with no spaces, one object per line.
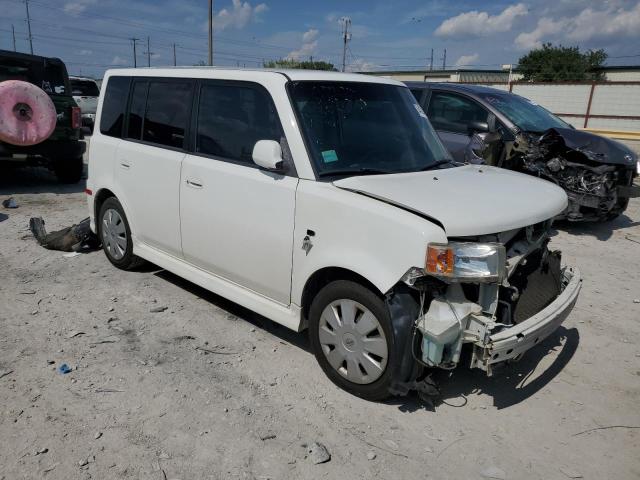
{"x":232,"y":118}
{"x":168,"y":107}
{"x":114,"y":106}
{"x":136,"y":110}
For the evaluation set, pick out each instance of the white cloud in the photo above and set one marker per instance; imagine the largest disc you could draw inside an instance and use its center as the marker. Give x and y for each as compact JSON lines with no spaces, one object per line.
{"x":467,"y":60}
{"x":476,"y":23}
{"x":240,"y":14}
{"x":587,"y":25}
{"x":118,"y":60}
{"x":77,"y":6}
{"x":309,"y":45}
{"x":360,"y":65}
{"x":84,"y":52}
{"x":545,"y":29}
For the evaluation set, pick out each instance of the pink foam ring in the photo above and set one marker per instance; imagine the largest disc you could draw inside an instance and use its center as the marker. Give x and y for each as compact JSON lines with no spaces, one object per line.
{"x":27,"y":114}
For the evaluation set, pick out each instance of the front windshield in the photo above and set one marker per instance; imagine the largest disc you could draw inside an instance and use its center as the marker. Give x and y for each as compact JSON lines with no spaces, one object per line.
{"x":365,"y":128}
{"x":525,"y":114}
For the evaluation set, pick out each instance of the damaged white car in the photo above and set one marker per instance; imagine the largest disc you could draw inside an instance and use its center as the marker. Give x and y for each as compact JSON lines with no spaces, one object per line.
{"x":326,"y":202}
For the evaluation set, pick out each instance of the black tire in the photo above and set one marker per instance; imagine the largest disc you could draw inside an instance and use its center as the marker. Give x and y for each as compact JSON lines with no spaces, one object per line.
{"x":128,"y":261}
{"x":69,"y":170}
{"x":344,"y":289}
{"x":623,"y":203}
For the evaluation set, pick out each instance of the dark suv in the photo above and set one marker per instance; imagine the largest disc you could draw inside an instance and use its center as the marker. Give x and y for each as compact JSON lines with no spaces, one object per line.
{"x":62,"y":151}
{"x":478,"y":124}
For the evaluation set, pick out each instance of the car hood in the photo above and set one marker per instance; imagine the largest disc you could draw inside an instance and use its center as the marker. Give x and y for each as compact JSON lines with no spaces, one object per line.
{"x":594,"y":147}
{"x":469,"y":200}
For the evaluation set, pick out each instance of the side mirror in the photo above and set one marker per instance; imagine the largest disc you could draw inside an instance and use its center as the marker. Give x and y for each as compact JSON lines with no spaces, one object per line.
{"x":478,"y":127}
{"x":268,"y":155}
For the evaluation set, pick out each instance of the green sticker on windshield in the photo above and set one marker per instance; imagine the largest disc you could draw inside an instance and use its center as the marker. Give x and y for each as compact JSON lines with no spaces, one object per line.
{"x":329,"y":156}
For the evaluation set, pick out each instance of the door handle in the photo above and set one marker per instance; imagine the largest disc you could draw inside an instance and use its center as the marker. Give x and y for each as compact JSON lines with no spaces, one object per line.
{"x":125,"y":165}
{"x":193,"y":184}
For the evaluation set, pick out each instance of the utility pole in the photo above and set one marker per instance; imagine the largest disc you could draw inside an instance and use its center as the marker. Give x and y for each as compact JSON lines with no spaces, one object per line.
{"x":13,"y":32}
{"x":346,"y":36}
{"x":444,"y":60}
{"x":135,"y":57}
{"x":174,"y":55}
{"x":210,"y":33}
{"x":26,"y":4}
{"x":148,"y":52}
{"x":431,"y":61}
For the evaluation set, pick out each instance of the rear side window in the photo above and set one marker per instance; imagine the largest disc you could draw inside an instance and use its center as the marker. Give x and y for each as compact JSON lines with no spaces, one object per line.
{"x":168,"y":107}
{"x":114,"y":106}
{"x":232,"y":118}
{"x":454,"y":113}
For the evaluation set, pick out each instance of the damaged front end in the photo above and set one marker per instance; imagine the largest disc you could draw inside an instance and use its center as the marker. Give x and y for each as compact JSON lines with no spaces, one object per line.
{"x":500,"y":293}
{"x":597,"y":173}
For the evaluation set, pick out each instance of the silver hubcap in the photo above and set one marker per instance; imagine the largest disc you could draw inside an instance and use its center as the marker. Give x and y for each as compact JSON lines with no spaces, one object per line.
{"x":353,"y":341}
{"x":114,"y":234}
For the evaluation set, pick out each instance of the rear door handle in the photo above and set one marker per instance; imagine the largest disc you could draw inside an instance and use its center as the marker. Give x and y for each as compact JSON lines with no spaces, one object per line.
{"x":193,"y":184}
{"x":125,"y":165}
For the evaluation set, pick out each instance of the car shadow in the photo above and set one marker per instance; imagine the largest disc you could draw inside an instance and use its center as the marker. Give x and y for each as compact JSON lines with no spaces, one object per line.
{"x":25,"y":180}
{"x":512,"y":384}
{"x":600,"y":230}
{"x":285,"y":334}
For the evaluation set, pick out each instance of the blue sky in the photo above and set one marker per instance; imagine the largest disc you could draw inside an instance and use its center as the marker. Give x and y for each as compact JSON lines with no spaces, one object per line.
{"x":92,"y":35}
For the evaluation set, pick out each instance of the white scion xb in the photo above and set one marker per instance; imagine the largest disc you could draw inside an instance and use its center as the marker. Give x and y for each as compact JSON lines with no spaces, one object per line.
{"x":325,"y":201}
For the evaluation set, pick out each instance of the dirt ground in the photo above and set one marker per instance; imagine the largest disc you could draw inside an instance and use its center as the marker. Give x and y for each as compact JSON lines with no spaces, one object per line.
{"x":145,"y":401}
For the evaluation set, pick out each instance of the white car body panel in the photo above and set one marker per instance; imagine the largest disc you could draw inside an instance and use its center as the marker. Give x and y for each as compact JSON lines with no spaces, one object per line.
{"x":356,"y":233}
{"x":493,"y":199}
{"x":237,"y":222}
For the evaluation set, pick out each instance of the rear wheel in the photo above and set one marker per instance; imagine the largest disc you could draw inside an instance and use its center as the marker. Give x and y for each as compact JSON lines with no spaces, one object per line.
{"x":351,"y":335}
{"x":115,"y":234}
{"x":69,"y":170}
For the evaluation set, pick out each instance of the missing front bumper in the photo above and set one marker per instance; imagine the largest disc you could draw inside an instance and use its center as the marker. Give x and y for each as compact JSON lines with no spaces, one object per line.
{"x":514,"y":341}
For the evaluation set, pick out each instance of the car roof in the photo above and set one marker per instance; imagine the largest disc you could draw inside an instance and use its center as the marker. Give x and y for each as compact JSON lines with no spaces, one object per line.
{"x":455,"y":87}
{"x":248,"y":73}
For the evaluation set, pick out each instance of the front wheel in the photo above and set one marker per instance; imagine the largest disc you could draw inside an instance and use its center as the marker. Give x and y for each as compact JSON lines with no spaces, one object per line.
{"x":351,"y":336}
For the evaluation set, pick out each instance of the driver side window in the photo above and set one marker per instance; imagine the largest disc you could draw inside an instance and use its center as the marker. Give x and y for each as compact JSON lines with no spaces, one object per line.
{"x":454,"y":113}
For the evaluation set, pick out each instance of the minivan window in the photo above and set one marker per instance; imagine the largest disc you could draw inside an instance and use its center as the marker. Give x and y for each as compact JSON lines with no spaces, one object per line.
{"x":365,"y":128}
{"x":168,"y":107}
{"x":136,"y":110}
{"x":84,"y":88}
{"x":232,"y":118}
{"x":114,"y":106}
{"x":454,"y":113}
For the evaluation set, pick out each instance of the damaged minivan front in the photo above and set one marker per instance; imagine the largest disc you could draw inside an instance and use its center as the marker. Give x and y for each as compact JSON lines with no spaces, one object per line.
{"x":494,"y":285}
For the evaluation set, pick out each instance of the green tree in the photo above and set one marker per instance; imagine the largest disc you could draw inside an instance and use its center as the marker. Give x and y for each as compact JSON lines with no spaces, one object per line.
{"x":304,"y":64}
{"x":557,"y":64}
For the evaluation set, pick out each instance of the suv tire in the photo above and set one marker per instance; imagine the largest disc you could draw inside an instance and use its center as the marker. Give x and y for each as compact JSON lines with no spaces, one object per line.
{"x":352,"y":338}
{"x":69,"y":170}
{"x":115,"y":234}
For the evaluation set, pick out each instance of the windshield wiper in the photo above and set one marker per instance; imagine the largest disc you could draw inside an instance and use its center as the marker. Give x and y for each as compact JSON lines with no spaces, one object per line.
{"x":437,"y":164}
{"x":359,"y":171}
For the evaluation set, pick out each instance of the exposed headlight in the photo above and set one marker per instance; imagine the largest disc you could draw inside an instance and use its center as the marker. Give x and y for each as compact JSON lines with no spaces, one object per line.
{"x":466,"y":262}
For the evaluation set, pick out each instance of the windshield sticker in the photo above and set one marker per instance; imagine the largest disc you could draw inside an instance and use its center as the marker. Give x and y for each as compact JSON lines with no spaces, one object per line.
{"x":329,"y":156}
{"x":419,"y":110}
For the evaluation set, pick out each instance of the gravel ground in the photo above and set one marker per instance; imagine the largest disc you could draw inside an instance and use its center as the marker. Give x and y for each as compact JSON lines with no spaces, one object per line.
{"x":209,"y":390}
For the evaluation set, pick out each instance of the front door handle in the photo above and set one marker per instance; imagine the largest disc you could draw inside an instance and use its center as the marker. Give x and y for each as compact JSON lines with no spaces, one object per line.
{"x":194,"y":184}
{"x":125,"y":165}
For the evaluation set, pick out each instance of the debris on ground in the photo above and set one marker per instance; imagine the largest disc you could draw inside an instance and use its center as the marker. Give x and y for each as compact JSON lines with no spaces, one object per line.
{"x":74,"y":333}
{"x":41,"y":451}
{"x":75,"y":238}
{"x":318,"y":453}
{"x":371,"y":455}
{"x":569,"y":472}
{"x":64,"y":369}
{"x":4,"y":374}
{"x":10,"y":203}
{"x":158,"y":309}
